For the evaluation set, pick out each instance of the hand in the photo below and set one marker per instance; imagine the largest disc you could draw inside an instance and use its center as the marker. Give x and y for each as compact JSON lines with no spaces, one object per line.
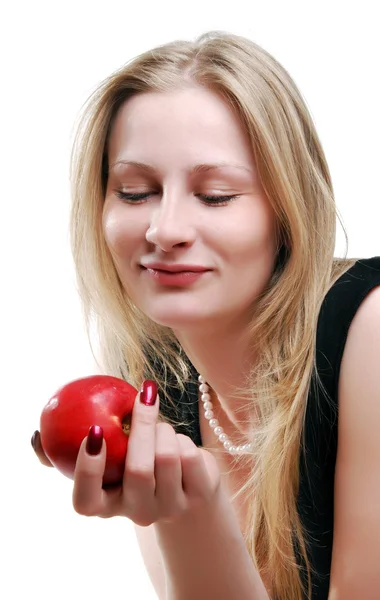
{"x":166,"y":475}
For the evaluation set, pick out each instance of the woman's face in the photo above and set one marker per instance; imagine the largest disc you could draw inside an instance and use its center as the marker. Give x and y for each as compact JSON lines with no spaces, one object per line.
{"x":171,"y":156}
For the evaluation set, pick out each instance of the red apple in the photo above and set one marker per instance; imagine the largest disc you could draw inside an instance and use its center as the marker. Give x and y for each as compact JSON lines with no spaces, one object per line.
{"x":65,"y":421}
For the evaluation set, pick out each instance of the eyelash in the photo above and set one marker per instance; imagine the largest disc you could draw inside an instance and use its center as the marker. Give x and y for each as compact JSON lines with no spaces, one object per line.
{"x":210,"y":200}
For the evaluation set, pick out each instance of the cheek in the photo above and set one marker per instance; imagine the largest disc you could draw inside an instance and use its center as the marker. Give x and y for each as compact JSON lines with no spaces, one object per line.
{"x":117,"y":232}
{"x":252,"y":235}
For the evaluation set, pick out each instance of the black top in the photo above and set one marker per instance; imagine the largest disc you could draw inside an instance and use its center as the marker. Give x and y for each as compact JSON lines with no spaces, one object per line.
{"x":317,"y":460}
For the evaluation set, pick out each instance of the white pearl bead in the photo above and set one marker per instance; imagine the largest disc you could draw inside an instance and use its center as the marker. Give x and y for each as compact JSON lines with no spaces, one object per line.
{"x":214,"y":423}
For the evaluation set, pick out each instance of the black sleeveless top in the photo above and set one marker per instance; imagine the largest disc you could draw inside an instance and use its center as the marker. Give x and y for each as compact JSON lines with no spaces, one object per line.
{"x":318,"y":456}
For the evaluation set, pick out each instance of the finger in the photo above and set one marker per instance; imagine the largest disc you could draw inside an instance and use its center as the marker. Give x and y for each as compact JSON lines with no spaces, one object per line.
{"x":168,"y":471}
{"x":196,"y":481}
{"x":89,"y":498}
{"x":139,"y":464}
{"x":37,"y":447}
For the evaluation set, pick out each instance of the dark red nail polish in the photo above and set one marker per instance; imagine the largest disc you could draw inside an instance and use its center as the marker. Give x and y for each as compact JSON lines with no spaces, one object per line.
{"x":148,"y":392}
{"x":34,"y":439}
{"x":94,"y":440}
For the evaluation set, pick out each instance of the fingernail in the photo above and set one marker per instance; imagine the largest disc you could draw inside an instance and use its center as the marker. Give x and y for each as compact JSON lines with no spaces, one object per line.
{"x":148,"y":392}
{"x":94,"y":440}
{"x":34,"y":438}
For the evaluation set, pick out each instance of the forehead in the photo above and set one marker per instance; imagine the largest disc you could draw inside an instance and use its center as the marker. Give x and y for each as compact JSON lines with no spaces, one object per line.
{"x":195,"y":122}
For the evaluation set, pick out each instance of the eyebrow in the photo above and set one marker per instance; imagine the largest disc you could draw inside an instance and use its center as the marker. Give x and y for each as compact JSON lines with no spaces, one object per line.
{"x":201,"y":168}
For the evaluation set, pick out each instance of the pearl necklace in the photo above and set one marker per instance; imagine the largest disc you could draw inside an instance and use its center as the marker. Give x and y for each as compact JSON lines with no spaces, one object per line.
{"x":214,"y":423}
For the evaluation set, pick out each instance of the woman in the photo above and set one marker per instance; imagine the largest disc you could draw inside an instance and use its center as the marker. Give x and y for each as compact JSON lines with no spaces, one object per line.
{"x":203,"y":233}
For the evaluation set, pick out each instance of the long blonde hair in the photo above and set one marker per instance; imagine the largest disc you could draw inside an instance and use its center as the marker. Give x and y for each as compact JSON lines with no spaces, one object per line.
{"x":296,"y":179}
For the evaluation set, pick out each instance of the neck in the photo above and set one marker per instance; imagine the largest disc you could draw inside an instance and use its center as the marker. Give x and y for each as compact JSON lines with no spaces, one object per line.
{"x":223,"y":356}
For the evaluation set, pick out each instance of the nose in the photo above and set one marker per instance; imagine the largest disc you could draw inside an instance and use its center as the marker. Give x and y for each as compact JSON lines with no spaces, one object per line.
{"x":172,"y":224}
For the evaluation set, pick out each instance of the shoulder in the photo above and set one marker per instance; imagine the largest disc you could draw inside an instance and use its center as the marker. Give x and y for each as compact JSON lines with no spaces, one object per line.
{"x":339,"y":496}
{"x":340,"y":307}
{"x":347,"y":292}
{"x":356,"y":553}
{"x":361,"y":357}
{"x":359,"y":380}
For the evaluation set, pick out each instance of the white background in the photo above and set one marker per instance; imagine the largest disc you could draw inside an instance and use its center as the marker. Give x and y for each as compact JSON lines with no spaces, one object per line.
{"x":53,"y":54}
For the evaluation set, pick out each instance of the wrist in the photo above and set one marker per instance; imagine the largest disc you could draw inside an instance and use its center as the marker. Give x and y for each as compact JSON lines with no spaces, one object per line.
{"x":208,"y":536}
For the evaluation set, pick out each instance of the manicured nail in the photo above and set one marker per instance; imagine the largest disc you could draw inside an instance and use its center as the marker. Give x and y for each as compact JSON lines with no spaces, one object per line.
{"x":34,"y":439}
{"x":148,"y":392}
{"x":94,"y":440}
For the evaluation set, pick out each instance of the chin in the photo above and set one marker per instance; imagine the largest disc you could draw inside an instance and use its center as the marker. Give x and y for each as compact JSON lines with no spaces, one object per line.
{"x":177,"y":318}
{"x":176,"y":321}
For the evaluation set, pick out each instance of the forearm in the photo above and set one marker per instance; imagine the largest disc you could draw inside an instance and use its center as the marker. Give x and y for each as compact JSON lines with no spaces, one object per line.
{"x":205,"y":557}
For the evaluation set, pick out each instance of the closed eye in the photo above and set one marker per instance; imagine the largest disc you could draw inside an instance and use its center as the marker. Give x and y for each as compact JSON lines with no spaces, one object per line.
{"x":207,"y":199}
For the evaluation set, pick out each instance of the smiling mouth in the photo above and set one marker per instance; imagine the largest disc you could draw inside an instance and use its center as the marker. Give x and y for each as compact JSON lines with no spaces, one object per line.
{"x":173,"y":272}
{"x":174,"y":278}
{"x":176,"y":271}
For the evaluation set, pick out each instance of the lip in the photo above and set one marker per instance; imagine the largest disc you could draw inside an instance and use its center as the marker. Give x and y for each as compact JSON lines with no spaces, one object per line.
{"x":175,"y":268}
{"x":175,"y":278}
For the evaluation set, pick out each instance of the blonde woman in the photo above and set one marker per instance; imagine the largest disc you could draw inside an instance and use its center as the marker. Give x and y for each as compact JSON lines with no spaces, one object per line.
{"x":203,"y":233}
